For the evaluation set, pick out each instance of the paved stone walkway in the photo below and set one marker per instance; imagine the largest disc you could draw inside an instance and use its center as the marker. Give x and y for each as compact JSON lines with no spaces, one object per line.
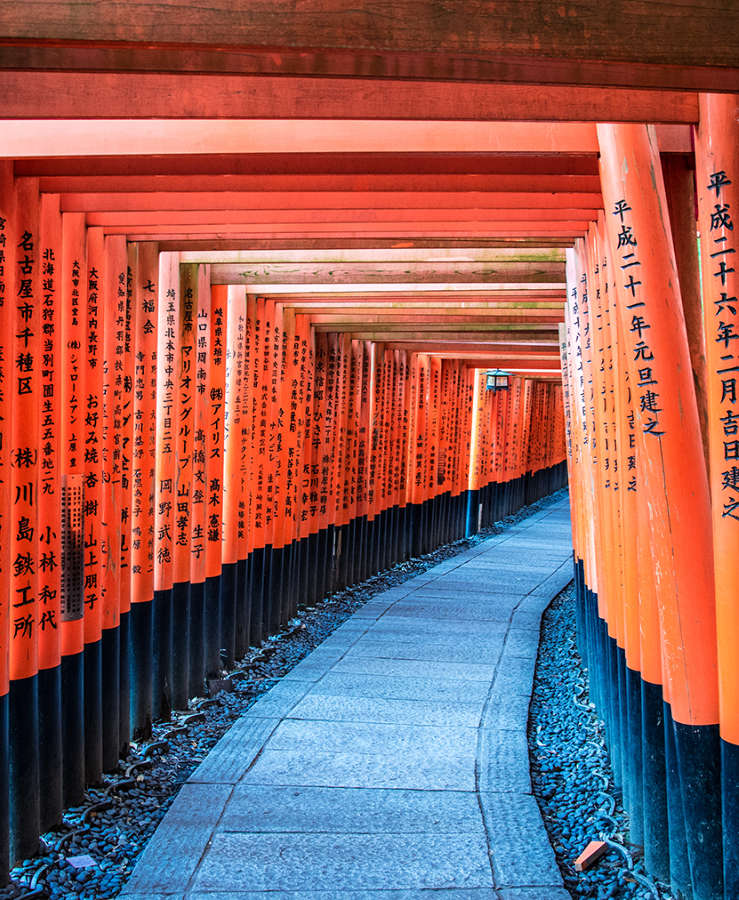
{"x":392,"y":761}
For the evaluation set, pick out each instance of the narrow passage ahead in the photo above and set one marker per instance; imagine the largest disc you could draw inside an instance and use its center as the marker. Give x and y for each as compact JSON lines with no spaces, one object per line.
{"x":392,"y":760}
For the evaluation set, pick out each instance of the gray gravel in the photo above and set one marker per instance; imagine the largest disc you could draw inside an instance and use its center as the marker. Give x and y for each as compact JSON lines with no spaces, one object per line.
{"x":571,"y":772}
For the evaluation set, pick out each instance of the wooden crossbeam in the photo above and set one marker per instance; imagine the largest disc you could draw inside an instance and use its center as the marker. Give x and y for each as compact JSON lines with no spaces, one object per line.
{"x":576,"y":41}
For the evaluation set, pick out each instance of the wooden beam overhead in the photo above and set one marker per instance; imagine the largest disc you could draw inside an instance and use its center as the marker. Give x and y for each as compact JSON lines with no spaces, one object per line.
{"x":86,"y":95}
{"x":383,"y":162}
{"x":386,"y":272}
{"x":297,"y":203}
{"x":213,"y":244}
{"x":546,"y":343}
{"x":328,"y":220}
{"x":397,"y":319}
{"x":479,"y":255}
{"x":21,"y":138}
{"x":479,"y":343}
{"x":576,"y":41}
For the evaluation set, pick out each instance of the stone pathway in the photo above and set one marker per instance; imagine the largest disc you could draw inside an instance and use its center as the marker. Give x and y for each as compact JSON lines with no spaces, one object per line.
{"x":392,"y":761}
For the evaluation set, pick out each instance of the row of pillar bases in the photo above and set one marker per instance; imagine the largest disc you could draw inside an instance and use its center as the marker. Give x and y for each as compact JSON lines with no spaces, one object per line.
{"x":655,"y":527}
{"x":163,"y":650}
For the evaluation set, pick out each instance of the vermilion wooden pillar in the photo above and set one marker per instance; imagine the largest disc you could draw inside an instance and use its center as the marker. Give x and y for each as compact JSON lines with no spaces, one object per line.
{"x":7,"y":290}
{"x":143,"y":453}
{"x":717,"y":172}
{"x":651,"y":310}
{"x":49,"y":547}
{"x":25,"y":396}
{"x":166,"y":538}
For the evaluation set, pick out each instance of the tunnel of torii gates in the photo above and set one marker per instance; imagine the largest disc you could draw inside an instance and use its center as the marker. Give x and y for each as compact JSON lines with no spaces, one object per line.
{"x":255,"y":263}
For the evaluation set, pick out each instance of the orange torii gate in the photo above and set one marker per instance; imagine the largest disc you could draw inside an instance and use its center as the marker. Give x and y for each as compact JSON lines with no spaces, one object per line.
{"x":211,"y":451}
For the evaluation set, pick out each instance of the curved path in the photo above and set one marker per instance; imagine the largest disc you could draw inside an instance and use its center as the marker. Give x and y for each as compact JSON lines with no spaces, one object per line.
{"x":392,"y":761}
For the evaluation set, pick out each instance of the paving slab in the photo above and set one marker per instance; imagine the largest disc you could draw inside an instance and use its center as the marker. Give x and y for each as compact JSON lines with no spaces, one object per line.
{"x":298,"y":862}
{"x":504,"y":761}
{"x":235,"y":752}
{"x":260,"y":808}
{"x":454,"y":652}
{"x":173,"y":853}
{"x":418,"y":772}
{"x":388,"y":712}
{"x":415,"y":668}
{"x":535,"y":893}
{"x":373,"y":738}
{"x":442,"y":690}
{"x":392,"y":761}
{"x":514,"y":826}
{"x":430,"y":894}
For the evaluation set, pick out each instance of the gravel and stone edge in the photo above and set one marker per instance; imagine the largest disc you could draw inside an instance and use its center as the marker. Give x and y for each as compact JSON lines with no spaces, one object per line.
{"x":571,"y":772}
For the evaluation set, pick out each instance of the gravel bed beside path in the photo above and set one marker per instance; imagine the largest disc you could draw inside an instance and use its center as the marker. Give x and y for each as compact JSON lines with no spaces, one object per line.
{"x":571,"y":772}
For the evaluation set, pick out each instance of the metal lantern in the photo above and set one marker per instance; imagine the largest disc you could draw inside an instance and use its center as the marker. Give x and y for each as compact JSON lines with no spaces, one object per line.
{"x":496,"y":380}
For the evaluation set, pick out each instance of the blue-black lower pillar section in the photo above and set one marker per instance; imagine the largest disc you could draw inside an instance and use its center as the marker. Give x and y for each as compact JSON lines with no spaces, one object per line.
{"x":93,"y":712}
{"x":228,"y":614}
{"x":180,"y":644}
{"x":730,"y":816}
{"x":4,"y":789}
{"x":271,"y":607}
{"x":24,"y":768}
{"x":472,"y":512}
{"x":312,"y":568}
{"x":679,"y":867}
{"x":124,"y":679}
{"x":277,"y":589}
{"x":623,"y":729}
{"x":212,"y":629}
{"x":614,"y":700}
{"x":161,"y":664}
{"x":50,"y":747}
{"x":699,"y":764}
{"x":243,"y":609}
{"x":633,"y":768}
{"x":196,"y":655}
{"x":302,"y":580}
{"x":73,"y":728}
{"x":111,"y":697}
{"x":656,"y":831}
{"x":257,"y":591}
{"x":140,"y":670}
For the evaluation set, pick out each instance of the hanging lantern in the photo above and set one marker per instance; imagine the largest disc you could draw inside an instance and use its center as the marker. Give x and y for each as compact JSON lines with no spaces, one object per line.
{"x":497,"y":380}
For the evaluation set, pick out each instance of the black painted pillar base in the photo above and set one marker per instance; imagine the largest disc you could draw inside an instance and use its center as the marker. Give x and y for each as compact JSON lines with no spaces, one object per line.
{"x":140,"y":671}
{"x":50,"y":747}
{"x":257,"y":589}
{"x":228,"y":615}
{"x":243,"y":610}
{"x":679,"y":866}
{"x":93,"y":712}
{"x":73,"y":728}
{"x":111,"y":663}
{"x":24,"y":768}
{"x":634,"y":775}
{"x":730,"y":817}
{"x":161,"y":664}
{"x":180,"y":645}
{"x":124,"y":703}
{"x":699,"y":763}
{"x":4,"y":790}
{"x":196,"y":676}
{"x":212,"y":626}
